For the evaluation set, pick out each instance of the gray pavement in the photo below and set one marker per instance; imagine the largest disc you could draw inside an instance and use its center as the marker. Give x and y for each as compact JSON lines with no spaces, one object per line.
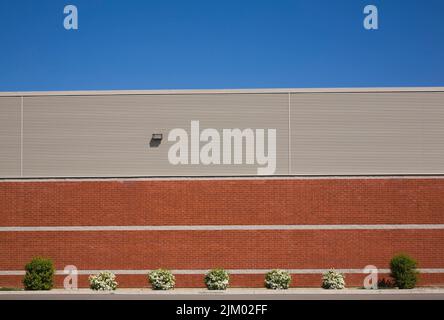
{"x":230,"y":294}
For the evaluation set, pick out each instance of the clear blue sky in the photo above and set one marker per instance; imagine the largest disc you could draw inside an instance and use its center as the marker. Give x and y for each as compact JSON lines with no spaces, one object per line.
{"x":219,"y":44}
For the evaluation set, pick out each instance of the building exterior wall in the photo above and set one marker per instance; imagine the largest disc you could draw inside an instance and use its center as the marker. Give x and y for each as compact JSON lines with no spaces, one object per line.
{"x":359,"y":178}
{"x":341,"y":223}
{"x":324,"y":132}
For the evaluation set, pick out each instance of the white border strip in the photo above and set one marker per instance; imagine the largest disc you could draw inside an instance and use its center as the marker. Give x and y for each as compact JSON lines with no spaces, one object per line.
{"x":231,"y":271}
{"x":228,"y":227}
{"x":220,"y":91}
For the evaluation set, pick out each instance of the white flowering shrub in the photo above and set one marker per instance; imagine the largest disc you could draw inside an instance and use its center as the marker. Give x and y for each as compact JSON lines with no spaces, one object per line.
{"x":277,"y":279}
{"x":333,"y":280}
{"x":162,"y":279}
{"x":217,"y":279}
{"x":104,"y":281}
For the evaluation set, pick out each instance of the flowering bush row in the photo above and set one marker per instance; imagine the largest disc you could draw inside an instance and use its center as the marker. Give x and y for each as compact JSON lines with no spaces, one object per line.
{"x":216,"y":279}
{"x":40,"y":272}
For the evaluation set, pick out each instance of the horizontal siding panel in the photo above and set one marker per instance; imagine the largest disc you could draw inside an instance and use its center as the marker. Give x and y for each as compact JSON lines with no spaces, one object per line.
{"x":367,"y":133}
{"x":10,"y":136}
{"x":110,"y":135}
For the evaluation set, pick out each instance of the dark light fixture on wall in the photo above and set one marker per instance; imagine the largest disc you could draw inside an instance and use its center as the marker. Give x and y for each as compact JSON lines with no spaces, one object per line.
{"x":156,"y":139}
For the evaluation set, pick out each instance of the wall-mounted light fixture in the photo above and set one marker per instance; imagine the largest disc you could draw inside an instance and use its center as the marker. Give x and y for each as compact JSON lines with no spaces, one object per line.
{"x":156,"y":139}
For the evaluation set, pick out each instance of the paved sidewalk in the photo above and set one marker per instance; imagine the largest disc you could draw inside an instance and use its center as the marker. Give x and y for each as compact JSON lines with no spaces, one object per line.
{"x":230,"y":294}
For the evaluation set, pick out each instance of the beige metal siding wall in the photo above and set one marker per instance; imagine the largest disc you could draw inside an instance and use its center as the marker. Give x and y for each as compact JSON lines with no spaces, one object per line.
{"x":367,"y":133}
{"x":10,"y":136}
{"x":332,"y":133}
{"x":110,"y":135}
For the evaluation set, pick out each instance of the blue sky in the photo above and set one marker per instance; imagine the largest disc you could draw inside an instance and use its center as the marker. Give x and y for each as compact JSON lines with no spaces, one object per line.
{"x":219,"y":44}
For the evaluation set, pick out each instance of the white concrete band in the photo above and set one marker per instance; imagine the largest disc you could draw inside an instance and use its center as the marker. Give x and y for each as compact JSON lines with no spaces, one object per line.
{"x":228,"y":227}
{"x":231,"y":271}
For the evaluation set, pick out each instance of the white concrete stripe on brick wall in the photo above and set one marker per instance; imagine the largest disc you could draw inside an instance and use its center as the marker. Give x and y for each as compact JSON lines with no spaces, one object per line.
{"x":231,"y":271}
{"x":227,"y":227}
{"x":381,"y":176}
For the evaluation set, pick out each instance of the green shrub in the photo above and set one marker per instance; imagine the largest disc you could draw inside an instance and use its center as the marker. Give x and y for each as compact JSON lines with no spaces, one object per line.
{"x":39,"y":274}
{"x":217,"y":279}
{"x":103,"y":281}
{"x":333,"y":280}
{"x":277,"y":279}
{"x":403,"y":271}
{"x":162,"y":279}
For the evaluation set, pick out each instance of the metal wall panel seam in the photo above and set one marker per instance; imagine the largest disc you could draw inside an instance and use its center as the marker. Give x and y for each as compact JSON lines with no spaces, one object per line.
{"x":289,"y":133}
{"x":21,"y":137}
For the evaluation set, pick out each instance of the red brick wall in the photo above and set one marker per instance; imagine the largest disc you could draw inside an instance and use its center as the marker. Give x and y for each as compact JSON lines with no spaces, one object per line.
{"x":222,"y":202}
